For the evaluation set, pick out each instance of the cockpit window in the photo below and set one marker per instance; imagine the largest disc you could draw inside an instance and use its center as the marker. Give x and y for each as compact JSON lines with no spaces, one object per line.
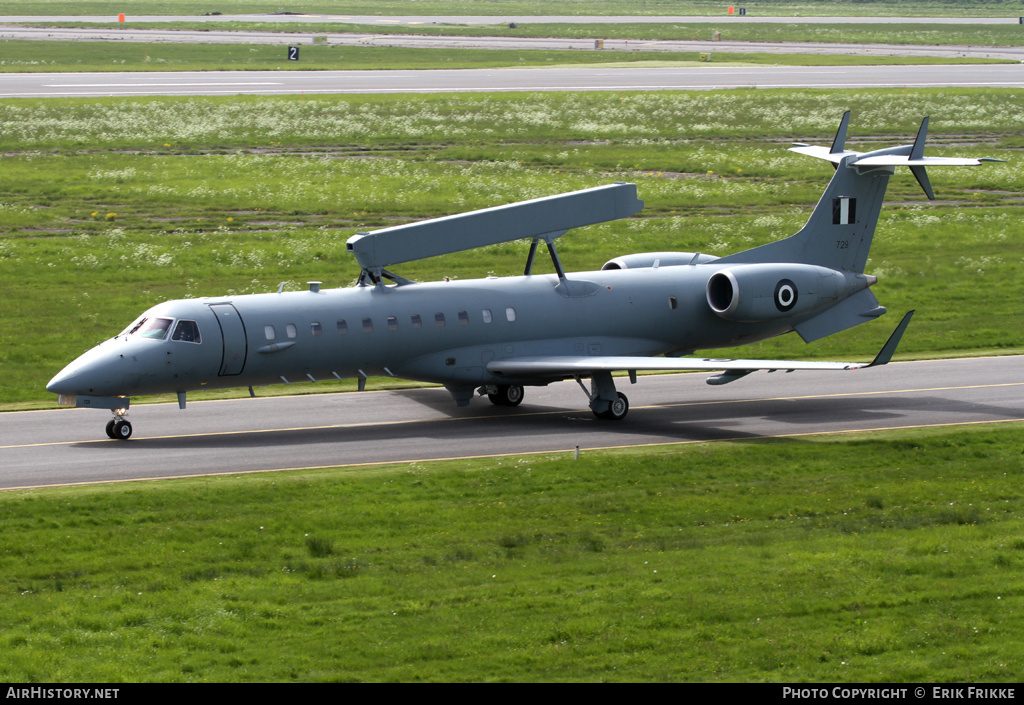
{"x":132,"y":328}
{"x":186,"y":331}
{"x":155,"y":328}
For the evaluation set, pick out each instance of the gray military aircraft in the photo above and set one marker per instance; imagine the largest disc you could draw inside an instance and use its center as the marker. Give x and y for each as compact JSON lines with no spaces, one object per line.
{"x":495,"y":336}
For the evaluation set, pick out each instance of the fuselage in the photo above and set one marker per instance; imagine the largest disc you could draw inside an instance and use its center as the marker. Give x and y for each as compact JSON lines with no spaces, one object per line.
{"x":444,"y":332}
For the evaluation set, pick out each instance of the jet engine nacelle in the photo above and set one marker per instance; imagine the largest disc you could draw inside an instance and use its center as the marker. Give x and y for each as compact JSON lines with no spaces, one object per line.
{"x":646,"y":260}
{"x":763,"y":292}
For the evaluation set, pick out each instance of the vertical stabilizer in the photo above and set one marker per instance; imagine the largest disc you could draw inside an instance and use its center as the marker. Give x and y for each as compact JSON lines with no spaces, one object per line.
{"x":839,"y":232}
{"x":839,"y":142}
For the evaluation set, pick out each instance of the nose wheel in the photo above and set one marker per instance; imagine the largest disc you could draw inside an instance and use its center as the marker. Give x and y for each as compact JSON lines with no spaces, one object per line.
{"x":119,"y":429}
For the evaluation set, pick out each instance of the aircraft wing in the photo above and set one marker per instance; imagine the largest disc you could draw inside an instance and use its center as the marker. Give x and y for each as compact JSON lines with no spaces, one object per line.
{"x":582,"y":365}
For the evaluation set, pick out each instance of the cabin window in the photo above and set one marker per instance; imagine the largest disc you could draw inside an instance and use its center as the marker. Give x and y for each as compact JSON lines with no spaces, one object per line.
{"x":439,"y":319}
{"x":291,"y":330}
{"x":463,"y":318}
{"x":367,"y":325}
{"x":315,"y":328}
{"x":269,"y":332}
{"x":155,"y":328}
{"x":342,"y":327}
{"x":673,"y":303}
{"x":392,"y":322}
{"x":510,"y":313}
{"x":487,"y":315}
{"x":417,"y":322}
{"x":187,"y":332}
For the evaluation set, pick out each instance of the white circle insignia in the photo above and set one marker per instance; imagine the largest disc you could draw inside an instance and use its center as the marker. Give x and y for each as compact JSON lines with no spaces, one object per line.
{"x":785,"y":295}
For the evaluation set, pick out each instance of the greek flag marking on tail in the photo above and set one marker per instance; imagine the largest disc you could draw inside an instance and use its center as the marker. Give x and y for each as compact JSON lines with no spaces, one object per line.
{"x":844,"y":211}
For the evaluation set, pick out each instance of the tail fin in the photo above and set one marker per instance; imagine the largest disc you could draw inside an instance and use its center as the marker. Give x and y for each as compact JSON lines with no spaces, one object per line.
{"x":839,"y":232}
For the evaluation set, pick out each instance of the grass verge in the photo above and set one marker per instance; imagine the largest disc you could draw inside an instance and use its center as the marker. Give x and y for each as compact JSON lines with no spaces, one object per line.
{"x":24,"y":56}
{"x":895,"y":557}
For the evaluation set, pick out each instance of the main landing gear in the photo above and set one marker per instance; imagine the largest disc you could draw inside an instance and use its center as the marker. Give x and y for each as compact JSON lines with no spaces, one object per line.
{"x":118,"y":428}
{"x":504,"y":394}
{"x":605,"y":401}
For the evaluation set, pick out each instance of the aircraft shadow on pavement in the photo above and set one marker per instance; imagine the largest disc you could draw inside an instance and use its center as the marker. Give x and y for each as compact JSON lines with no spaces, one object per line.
{"x":482,"y":429}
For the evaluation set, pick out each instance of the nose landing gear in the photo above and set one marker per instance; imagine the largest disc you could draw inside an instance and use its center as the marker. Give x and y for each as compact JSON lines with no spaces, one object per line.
{"x":118,"y":428}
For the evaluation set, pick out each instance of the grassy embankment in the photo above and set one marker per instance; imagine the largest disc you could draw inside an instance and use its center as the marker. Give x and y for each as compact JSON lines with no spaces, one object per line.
{"x":892,"y":558}
{"x":109,"y":206}
{"x":23,"y":56}
{"x":731,"y":29}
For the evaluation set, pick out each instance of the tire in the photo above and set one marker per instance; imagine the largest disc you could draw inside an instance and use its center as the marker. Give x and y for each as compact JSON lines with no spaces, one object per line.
{"x":507,"y":395}
{"x":122,"y":430}
{"x":619,"y":408}
{"x":110,"y":429}
{"x":616,"y":410}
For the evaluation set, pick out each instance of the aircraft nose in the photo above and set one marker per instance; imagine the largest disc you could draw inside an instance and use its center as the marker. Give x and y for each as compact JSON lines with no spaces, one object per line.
{"x":62,"y":382}
{"x":95,"y":372}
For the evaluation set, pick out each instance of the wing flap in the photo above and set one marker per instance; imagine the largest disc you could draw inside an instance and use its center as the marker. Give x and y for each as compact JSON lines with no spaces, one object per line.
{"x":565,"y":366}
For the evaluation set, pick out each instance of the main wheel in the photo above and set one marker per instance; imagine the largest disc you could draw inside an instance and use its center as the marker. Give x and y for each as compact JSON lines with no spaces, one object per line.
{"x":507,"y":395}
{"x":110,"y":428}
{"x":616,"y":410}
{"x":122,"y":430}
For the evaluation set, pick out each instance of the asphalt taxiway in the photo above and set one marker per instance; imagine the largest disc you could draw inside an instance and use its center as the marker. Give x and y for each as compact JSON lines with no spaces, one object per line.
{"x":38,"y":85}
{"x":357,"y":430}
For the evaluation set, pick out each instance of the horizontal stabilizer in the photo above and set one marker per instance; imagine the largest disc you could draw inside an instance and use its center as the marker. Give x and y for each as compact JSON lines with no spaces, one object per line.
{"x":546,"y":217}
{"x":911,"y":155}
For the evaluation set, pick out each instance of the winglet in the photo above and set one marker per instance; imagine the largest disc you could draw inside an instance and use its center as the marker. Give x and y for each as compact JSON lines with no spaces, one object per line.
{"x":885,"y":354}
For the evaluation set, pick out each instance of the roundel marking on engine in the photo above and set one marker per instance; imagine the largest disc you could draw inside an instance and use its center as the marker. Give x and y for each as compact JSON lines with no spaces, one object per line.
{"x":785,"y":295}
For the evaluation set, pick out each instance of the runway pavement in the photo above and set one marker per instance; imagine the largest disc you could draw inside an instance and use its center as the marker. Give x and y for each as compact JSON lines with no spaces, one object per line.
{"x":69,"y":446}
{"x":37,"y":85}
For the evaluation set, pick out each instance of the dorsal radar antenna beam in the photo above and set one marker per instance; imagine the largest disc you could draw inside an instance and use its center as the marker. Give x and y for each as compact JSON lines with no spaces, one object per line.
{"x":538,"y":219}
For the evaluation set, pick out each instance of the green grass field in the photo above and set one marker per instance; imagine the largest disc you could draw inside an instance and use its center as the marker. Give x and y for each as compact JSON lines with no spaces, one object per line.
{"x":23,"y":56}
{"x":730,"y":29}
{"x":890,"y":558}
